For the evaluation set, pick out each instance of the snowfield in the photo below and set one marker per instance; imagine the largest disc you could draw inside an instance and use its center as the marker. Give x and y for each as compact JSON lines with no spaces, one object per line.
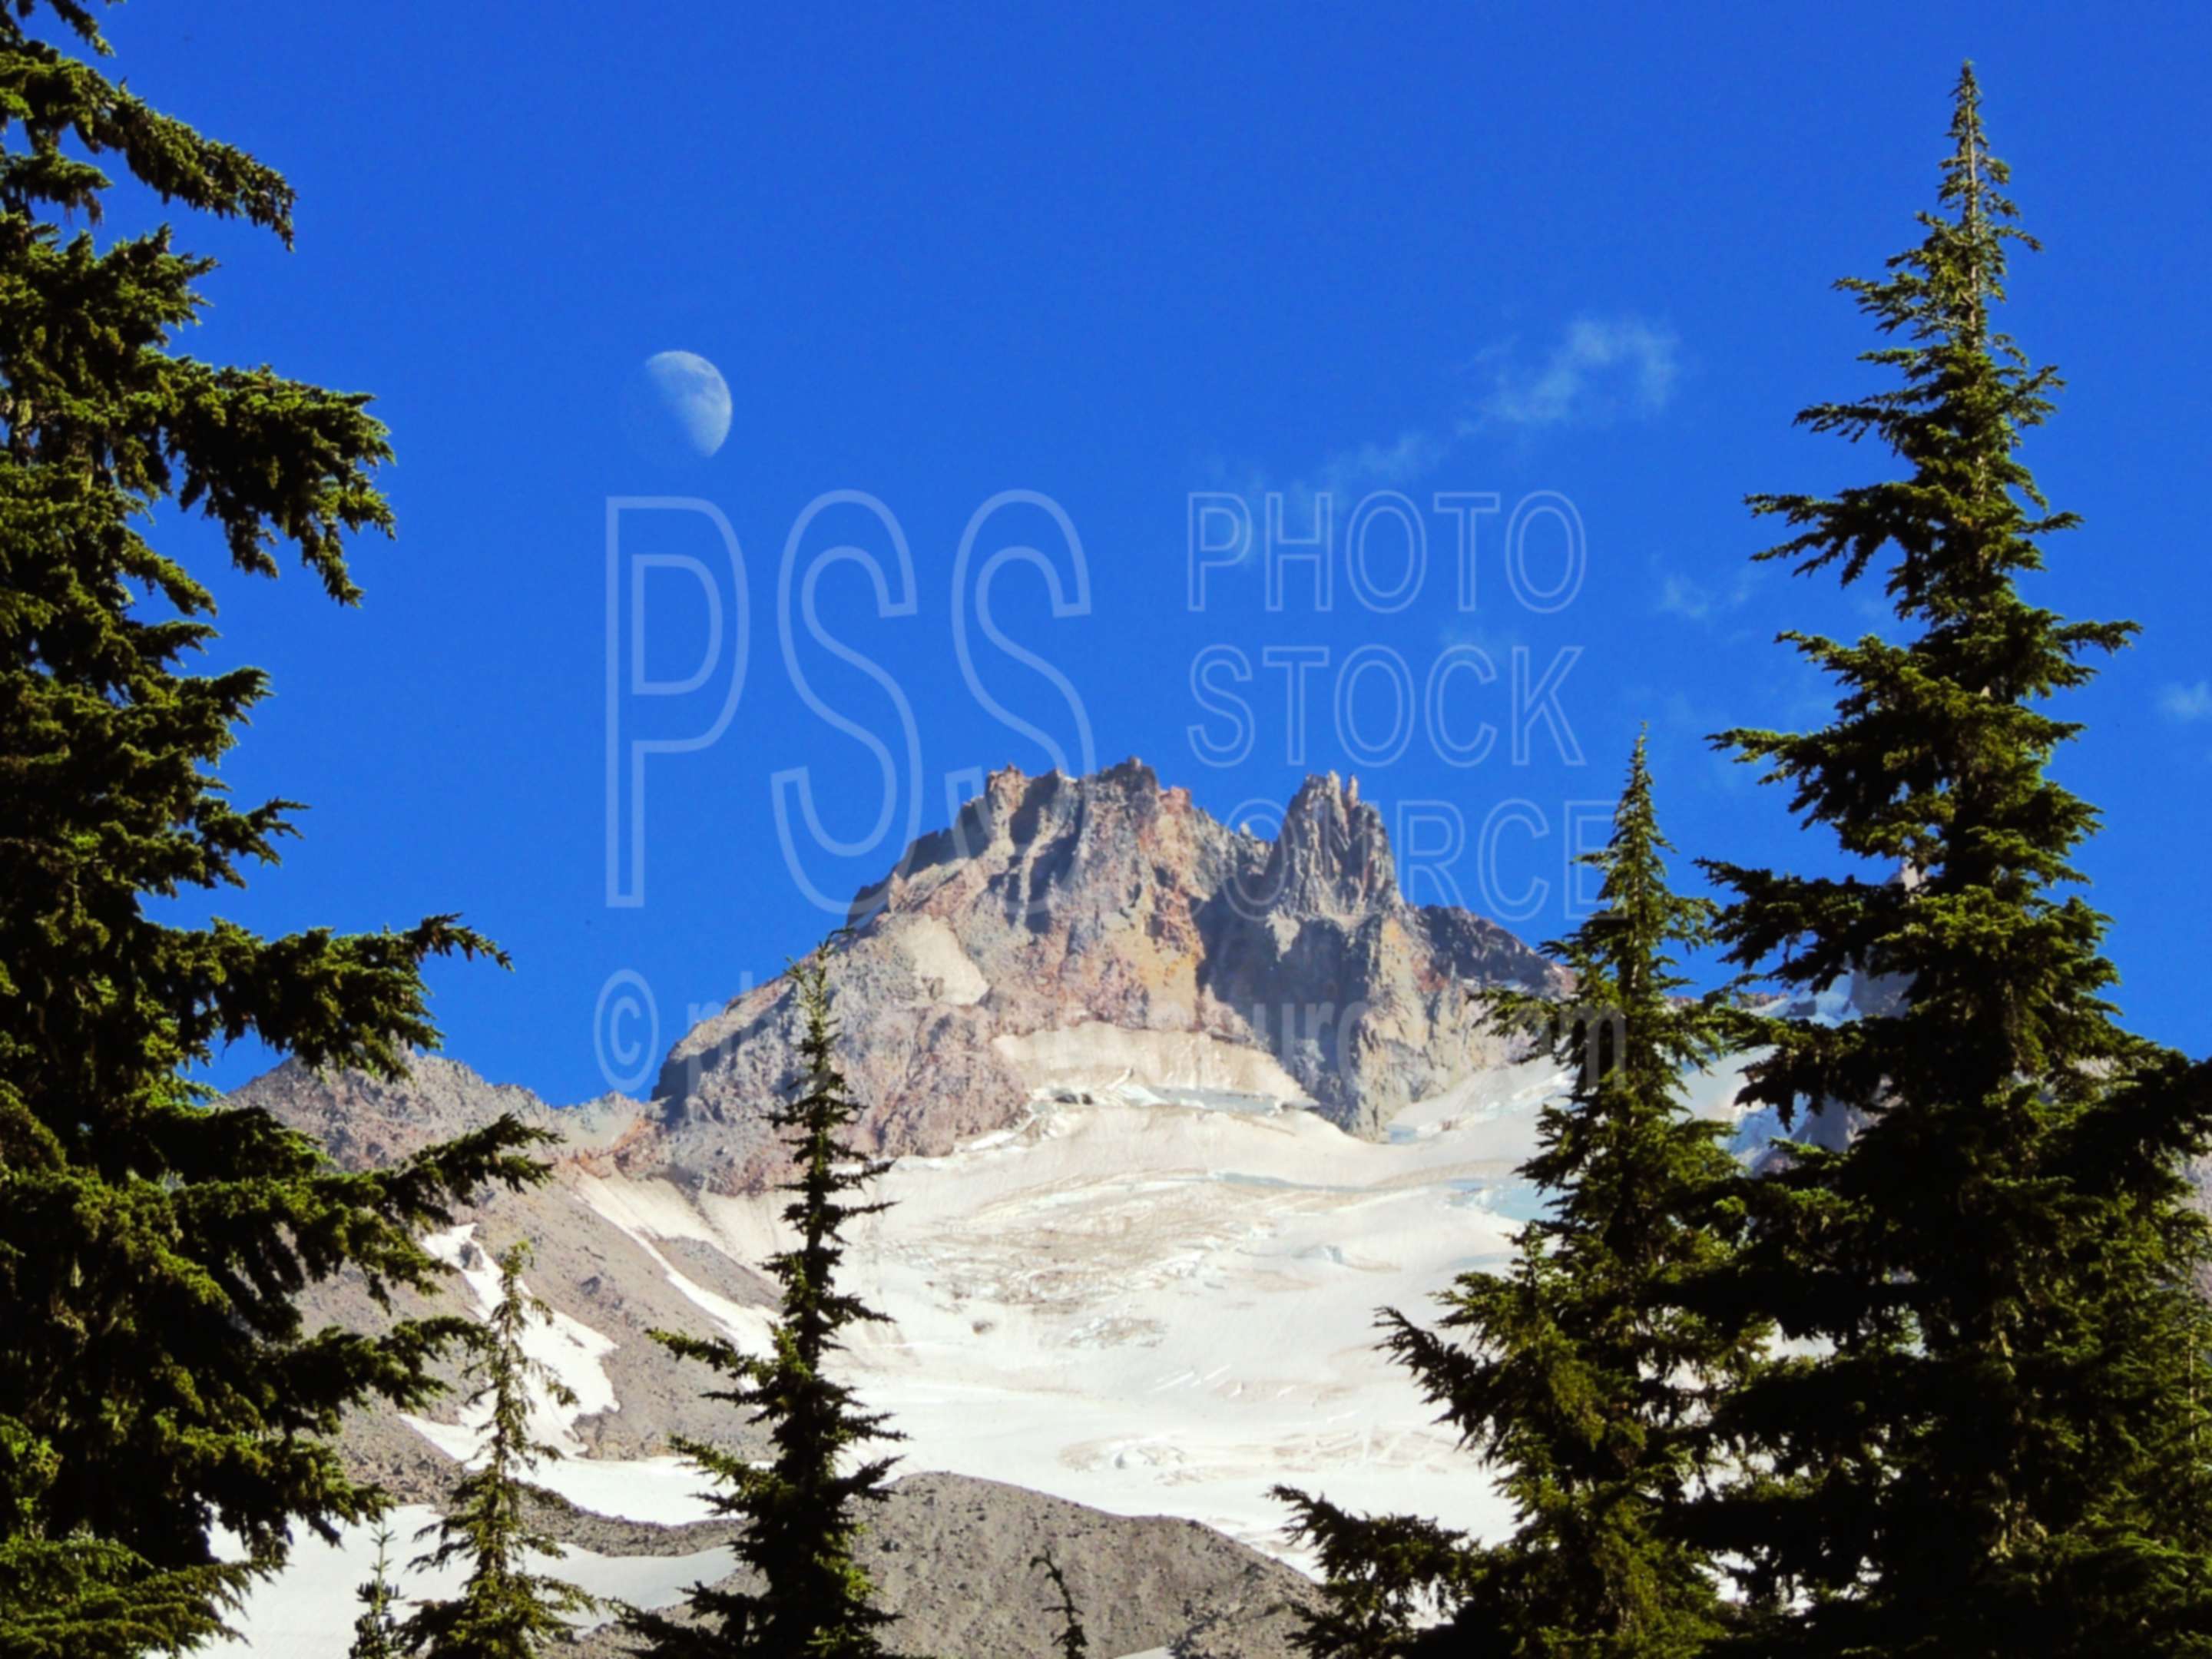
{"x":1153,"y":1297}
{"x":308,"y":1612}
{"x":1142,"y":1300}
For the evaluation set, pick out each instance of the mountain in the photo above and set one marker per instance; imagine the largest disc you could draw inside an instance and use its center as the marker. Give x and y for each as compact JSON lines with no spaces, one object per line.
{"x":1174,"y":1109}
{"x":1065,"y":937}
{"x":1071,"y":935}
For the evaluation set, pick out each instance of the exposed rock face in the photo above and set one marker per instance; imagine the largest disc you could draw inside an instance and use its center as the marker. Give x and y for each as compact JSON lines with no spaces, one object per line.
{"x":1072,"y":933}
{"x":622,"y":1284}
{"x":363,"y":1122}
{"x":951,"y":1556}
{"x":1063,"y":934}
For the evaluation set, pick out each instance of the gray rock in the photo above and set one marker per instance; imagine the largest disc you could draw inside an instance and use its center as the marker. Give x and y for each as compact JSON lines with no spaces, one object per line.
{"x":951,"y":1556}
{"x":1054,"y":905}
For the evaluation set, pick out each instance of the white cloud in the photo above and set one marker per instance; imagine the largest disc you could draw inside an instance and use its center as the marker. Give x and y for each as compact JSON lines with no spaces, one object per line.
{"x":1681,"y":596}
{"x":1694,"y":601}
{"x":1346,"y":478}
{"x":1603,"y":369}
{"x":2187,"y":703}
{"x":1353,"y":472}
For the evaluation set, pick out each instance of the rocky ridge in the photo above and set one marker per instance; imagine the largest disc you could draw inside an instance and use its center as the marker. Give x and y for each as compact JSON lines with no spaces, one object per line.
{"x":1080,"y":934}
{"x":1063,"y":936}
{"x":951,"y":1556}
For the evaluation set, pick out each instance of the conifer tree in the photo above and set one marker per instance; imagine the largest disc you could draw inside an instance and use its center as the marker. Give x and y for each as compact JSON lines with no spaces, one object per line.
{"x":376,"y":1633}
{"x":504,"y":1611}
{"x":802,"y":1508}
{"x":1386,"y":1582}
{"x":156,"y":1380}
{"x":1073,"y":1641}
{"x":1988,"y":1435}
{"x":83,"y":1597}
{"x":1578,"y":1372}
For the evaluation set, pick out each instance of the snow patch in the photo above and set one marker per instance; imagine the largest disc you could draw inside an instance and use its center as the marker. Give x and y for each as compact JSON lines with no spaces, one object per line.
{"x":1156,"y":1310}
{"x":751,"y":1329}
{"x":307,"y":1611}
{"x":934,"y":951}
{"x":1481,"y":1097}
{"x":568,"y":1347}
{"x":1097,"y":1058}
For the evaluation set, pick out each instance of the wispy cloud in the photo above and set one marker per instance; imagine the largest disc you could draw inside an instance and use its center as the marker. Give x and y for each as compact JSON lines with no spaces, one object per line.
{"x":1600,"y":370}
{"x":1377,"y":466}
{"x":1692,"y":600}
{"x":1345,"y":477}
{"x":2187,"y":703}
{"x":1681,"y":596}
{"x":1603,"y":369}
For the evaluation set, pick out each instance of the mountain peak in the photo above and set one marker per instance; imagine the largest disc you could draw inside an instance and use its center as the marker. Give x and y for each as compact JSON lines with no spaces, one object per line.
{"x":1064,"y":937}
{"x":1332,"y":856}
{"x":1074,"y":935}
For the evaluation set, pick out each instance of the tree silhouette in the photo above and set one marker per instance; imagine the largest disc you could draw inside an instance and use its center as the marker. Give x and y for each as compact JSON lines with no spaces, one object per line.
{"x":156,"y":1381}
{"x":504,"y":1611}
{"x":1988,"y":1435}
{"x":802,"y":1507}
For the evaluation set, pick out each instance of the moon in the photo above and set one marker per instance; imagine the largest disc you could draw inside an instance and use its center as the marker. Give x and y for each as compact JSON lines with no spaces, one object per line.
{"x":676,"y":407}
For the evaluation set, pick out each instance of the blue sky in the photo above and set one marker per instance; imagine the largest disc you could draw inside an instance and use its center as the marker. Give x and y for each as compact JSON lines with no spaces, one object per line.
{"x":1111,"y":259}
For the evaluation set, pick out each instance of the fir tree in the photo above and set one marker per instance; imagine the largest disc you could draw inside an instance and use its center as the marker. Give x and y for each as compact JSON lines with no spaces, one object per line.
{"x":84,"y":1598}
{"x":1386,"y":1581}
{"x":156,"y":1380}
{"x":1073,"y":1642}
{"x":1989,"y":1439}
{"x":801,"y":1509}
{"x":1579,"y":1372}
{"x":376,"y":1633}
{"x":504,"y":1611}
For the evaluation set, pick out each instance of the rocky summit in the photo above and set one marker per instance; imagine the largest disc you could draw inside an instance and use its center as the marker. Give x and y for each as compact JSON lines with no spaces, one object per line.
{"x":1065,"y":938}
{"x":1074,"y":936}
